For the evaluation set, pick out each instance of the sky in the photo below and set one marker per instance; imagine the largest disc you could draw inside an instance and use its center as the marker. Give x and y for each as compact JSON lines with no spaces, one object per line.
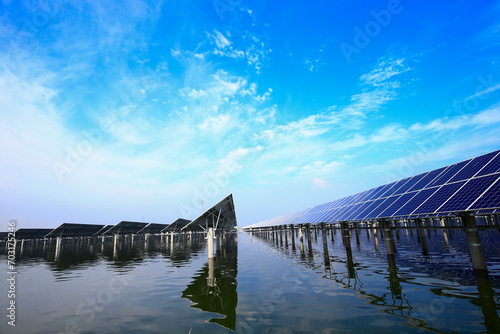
{"x":151,"y":111}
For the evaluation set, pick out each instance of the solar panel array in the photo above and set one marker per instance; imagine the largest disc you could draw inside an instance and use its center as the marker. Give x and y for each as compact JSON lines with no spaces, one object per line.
{"x":472,"y":184}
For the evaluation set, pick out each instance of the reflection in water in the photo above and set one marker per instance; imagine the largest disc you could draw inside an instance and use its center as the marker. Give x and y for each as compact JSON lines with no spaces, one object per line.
{"x":213,"y":289}
{"x":120,"y":250}
{"x":427,"y":285}
{"x":422,"y":268}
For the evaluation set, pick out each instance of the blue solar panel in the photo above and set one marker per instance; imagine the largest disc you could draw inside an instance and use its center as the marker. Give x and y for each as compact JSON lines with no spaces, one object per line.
{"x":381,"y":190}
{"x":492,"y":167}
{"x":429,"y":194}
{"x":438,"y":198}
{"x":409,"y":184}
{"x":361,"y":208}
{"x":388,"y":201}
{"x":372,"y":205}
{"x":490,"y":199}
{"x":349,"y":212}
{"x":401,"y":200}
{"x":428,"y":178}
{"x":390,"y":190}
{"x":396,"y":187}
{"x":473,"y":167}
{"x":468,"y":194}
{"x":416,"y":200}
{"x":448,"y":173}
{"x":332,"y":215}
{"x":365,"y":194}
{"x":402,"y":183}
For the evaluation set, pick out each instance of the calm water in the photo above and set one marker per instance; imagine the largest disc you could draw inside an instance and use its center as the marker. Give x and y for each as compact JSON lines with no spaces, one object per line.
{"x":257,"y":284}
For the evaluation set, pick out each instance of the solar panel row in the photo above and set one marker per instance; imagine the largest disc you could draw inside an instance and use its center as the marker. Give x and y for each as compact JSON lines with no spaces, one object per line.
{"x":472,"y":184}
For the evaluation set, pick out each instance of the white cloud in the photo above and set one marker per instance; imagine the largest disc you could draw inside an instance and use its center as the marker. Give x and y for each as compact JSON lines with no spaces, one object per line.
{"x":386,"y":69}
{"x":319,"y":183}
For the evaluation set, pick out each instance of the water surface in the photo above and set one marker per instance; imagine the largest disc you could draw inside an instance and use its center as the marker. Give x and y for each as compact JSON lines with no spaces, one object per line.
{"x":257,"y":283}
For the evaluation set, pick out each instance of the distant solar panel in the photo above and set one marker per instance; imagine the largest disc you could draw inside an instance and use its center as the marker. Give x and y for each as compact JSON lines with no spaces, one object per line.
{"x":473,"y":184}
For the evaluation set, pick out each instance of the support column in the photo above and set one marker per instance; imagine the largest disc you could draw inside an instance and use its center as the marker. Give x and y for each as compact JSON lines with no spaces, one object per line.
{"x":475,"y":247}
{"x":210,"y":241}
{"x":325,"y":247}
{"x":387,"y":230}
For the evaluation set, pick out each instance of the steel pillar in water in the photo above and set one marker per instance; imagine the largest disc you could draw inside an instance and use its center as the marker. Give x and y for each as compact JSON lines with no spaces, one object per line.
{"x":388,"y":238}
{"x":210,"y":241}
{"x":475,"y":247}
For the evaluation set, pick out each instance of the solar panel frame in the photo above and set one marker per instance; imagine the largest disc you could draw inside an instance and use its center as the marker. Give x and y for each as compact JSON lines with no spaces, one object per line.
{"x":428,"y":178}
{"x":443,"y":193}
{"x":472,"y":168}
{"x":467,"y":194}
{"x":450,"y":173}
{"x":415,"y":201}
{"x":493,"y":166}
{"x":378,"y":210}
{"x":396,"y":204}
{"x":413,"y":180}
{"x":490,"y":198}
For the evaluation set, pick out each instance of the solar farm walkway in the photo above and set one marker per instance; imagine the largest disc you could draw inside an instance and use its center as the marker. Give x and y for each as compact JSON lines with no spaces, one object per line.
{"x":455,"y":194}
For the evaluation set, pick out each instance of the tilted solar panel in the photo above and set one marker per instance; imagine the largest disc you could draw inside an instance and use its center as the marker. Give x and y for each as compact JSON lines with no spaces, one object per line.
{"x":469,"y":192}
{"x":473,"y":184}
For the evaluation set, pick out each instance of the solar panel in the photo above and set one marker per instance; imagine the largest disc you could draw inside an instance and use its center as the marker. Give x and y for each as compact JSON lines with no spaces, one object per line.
{"x":370,"y":208}
{"x":426,"y":179}
{"x":472,"y":184}
{"x":490,"y":199}
{"x":409,"y":184}
{"x":378,"y":210}
{"x":492,"y":167}
{"x":473,"y":167}
{"x":438,"y":198}
{"x":390,"y":190}
{"x":350,"y":211}
{"x":415,"y":201}
{"x":449,"y":173}
{"x":466,"y":195}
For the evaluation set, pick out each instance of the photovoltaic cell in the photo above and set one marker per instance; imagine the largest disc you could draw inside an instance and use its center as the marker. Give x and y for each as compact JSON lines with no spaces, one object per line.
{"x":434,"y":193}
{"x":401,"y":200}
{"x":473,"y":167}
{"x":492,"y":167}
{"x":345,"y":215}
{"x":373,"y":204}
{"x":409,"y":184}
{"x":490,"y":199}
{"x":364,"y":195}
{"x":468,"y":194}
{"x":426,"y":179}
{"x":390,"y":190}
{"x":332,"y":215}
{"x":449,"y":173}
{"x":401,"y":184}
{"x":377,"y":211}
{"x":416,"y":200}
{"x":382,"y":190}
{"x":438,"y":198}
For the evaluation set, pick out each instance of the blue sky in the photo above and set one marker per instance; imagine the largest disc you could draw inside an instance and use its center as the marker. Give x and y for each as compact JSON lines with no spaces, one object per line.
{"x":151,"y":111}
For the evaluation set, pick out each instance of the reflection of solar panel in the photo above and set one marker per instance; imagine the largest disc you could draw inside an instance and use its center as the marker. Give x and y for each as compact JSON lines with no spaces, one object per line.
{"x":472,"y":184}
